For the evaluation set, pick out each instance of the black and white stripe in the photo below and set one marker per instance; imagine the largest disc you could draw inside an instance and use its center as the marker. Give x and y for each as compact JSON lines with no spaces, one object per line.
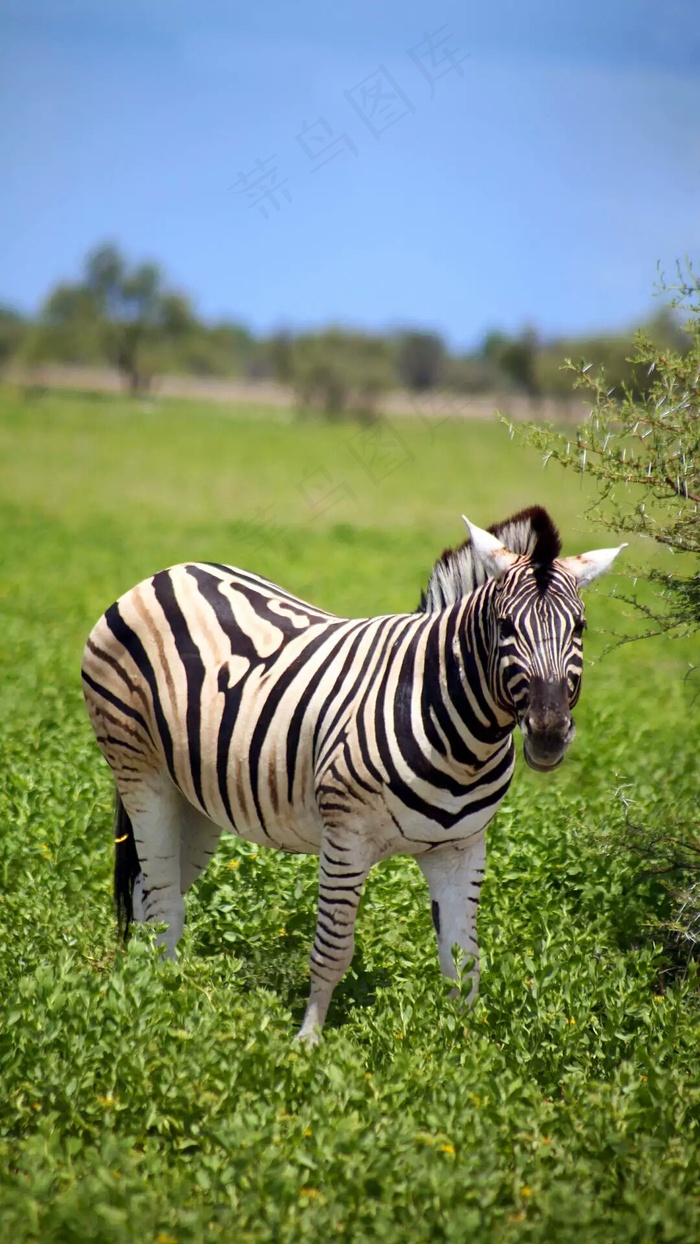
{"x":222,"y":702}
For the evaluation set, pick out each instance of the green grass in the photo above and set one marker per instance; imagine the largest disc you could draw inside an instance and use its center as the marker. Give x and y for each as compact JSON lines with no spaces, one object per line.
{"x":144,"y":1101}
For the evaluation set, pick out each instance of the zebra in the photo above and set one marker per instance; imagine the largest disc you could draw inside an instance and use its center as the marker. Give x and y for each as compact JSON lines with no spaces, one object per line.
{"x":222,"y":702}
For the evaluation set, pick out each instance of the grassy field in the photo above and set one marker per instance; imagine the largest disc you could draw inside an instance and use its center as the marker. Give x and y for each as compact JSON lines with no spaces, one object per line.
{"x":149,"y":1102}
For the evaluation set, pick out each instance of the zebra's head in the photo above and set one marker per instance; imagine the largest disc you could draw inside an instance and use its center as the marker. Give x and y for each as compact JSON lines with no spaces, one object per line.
{"x":536,"y":623}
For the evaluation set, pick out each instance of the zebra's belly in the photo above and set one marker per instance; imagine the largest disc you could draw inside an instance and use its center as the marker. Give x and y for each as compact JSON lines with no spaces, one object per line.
{"x":298,"y":832}
{"x":255,"y":793}
{"x":253,"y":800}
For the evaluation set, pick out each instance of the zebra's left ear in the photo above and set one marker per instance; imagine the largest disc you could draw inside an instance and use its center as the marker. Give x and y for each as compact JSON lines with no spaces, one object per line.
{"x":588,"y":566}
{"x":491,"y":552}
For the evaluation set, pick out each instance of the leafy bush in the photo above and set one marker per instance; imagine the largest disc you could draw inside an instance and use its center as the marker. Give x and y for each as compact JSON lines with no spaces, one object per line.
{"x":641,"y":446}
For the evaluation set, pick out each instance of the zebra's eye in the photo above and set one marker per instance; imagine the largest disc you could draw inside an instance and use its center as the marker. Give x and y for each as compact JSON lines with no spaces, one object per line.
{"x":506,"y":628}
{"x":580,"y":626}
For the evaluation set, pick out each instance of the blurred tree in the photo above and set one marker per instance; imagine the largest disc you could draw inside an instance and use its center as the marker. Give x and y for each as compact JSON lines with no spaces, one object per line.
{"x":468,"y":373}
{"x":67,"y":330}
{"x":279,"y":356}
{"x":337,"y":371}
{"x":13,"y":332}
{"x":516,"y":358}
{"x":124,"y":315}
{"x":374,"y":374}
{"x":419,"y":359}
{"x":138,"y":315}
{"x":218,"y":350}
{"x":105,"y":273}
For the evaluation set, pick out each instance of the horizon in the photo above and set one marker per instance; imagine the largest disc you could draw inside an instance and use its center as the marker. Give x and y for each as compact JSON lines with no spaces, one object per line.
{"x":388,"y":331}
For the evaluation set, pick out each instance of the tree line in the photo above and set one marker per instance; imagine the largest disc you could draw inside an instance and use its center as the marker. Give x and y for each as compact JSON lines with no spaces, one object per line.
{"x":128,"y":317}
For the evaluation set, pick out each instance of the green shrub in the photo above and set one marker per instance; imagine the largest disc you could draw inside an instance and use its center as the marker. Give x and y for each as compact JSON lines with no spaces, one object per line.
{"x":641,"y":447}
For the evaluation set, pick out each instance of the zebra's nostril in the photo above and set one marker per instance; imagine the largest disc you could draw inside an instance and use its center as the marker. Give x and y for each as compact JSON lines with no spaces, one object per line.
{"x":544,"y":725}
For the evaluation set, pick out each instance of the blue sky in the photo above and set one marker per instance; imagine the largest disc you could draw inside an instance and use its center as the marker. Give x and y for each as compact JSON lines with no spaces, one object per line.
{"x":528,"y":164}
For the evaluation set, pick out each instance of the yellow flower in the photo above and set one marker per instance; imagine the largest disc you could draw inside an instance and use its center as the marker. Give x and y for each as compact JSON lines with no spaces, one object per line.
{"x":281,"y":932}
{"x":233,"y":864}
{"x":447,"y":1149}
{"x":546,"y":1140}
{"x":106,"y":1101}
{"x":164,"y":1238}
{"x":399,"y":1036}
{"x":309,"y":1192}
{"x":307,"y":1131}
{"x":525,"y":1191}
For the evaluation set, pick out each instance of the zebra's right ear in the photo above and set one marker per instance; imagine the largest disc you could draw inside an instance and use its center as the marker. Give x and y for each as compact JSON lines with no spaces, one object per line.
{"x":493,"y":555}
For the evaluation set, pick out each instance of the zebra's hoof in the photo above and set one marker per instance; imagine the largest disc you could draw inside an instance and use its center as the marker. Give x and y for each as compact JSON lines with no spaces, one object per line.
{"x":308,"y":1037}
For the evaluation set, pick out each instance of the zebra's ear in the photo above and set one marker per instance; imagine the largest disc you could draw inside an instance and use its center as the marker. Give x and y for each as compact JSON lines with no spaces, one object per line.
{"x":588,"y":566}
{"x":491,"y":552}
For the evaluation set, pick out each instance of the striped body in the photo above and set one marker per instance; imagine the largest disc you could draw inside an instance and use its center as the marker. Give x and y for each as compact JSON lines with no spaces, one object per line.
{"x":275,"y":719}
{"x":221,"y":702}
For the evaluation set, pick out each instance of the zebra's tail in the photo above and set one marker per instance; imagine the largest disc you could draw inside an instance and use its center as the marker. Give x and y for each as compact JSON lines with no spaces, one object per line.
{"x":126,"y":867}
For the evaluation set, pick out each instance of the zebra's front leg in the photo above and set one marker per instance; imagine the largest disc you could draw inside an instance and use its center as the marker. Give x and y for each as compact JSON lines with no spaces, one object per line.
{"x":343,"y":869}
{"x":454,"y":875}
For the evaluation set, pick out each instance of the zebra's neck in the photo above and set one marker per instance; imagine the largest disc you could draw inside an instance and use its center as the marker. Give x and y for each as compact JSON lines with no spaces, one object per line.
{"x":444,"y":687}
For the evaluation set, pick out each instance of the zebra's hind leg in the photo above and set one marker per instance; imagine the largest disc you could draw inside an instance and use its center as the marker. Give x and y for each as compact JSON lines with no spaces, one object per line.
{"x":154,"y":808}
{"x":199,"y":838}
{"x":343,"y":869}
{"x":454,"y":875}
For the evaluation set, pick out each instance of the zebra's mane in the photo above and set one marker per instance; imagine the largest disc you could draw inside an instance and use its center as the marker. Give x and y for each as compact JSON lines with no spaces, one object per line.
{"x":529,"y":533}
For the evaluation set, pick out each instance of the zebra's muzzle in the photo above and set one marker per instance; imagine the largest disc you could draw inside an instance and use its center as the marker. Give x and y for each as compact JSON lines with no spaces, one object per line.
{"x":547,"y":725}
